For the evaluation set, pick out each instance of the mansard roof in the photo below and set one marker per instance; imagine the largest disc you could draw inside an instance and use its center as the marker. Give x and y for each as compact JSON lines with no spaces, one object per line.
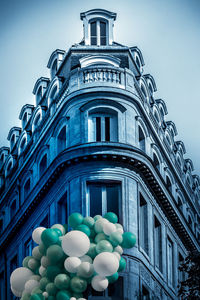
{"x":54,"y":54}
{"x":24,"y":108}
{"x":98,"y":11}
{"x":13,"y":129}
{"x":38,"y":82}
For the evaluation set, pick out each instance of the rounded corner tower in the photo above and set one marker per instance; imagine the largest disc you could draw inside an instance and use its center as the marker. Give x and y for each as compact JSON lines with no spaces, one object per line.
{"x":97,"y":140}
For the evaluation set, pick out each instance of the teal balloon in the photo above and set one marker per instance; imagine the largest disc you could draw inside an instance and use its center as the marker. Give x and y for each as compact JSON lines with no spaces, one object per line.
{"x":112,"y":217}
{"x":62,"y":281}
{"x":33,"y":264}
{"x":84,"y":228}
{"x":63,"y":295}
{"x":55,"y":254}
{"x":25,"y":297}
{"x":115,"y":238}
{"x":58,"y":231}
{"x":104,"y":246}
{"x":49,"y":237}
{"x":42,"y":249}
{"x":43,"y":282}
{"x":66,"y":228}
{"x":97,"y":217}
{"x":122,"y":264}
{"x":100,"y":236}
{"x":75,"y":219}
{"x":92,"y":233}
{"x":78,"y":285}
{"x":37,"y":297}
{"x":25,"y":261}
{"x":50,"y":298}
{"x":36,"y":290}
{"x":129,"y":240}
{"x":92,"y":250}
{"x":89,"y":221}
{"x":51,"y":289}
{"x":52,"y":272}
{"x":113,"y":277}
{"x":77,"y":295}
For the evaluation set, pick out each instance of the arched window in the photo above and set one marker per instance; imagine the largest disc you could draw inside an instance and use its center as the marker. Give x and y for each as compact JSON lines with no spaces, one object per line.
{"x":190,"y":222}
{"x":53,"y":95}
{"x":12,"y":141}
{"x":61,"y":141}
{"x":37,"y":121}
{"x":180,"y":204}
{"x":27,"y":188}
{"x":150,"y":88}
{"x":169,"y":184}
{"x":156,"y":161}
{"x":138,"y":62}
{"x":143,"y":90}
{"x":98,"y":31}
{"x":179,"y":161}
{"x":24,"y":120}
{"x":156,"y":116}
{"x":23,"y":145}
{"x":39,"y":95}
{"x":12,"y":209}
{"x":141,"y":139}
{"x":2,"y":158}
{"x":54,"y":68}
{"x":102,"y":125}
{"x":43,"y":165}
{"x":9,"y":167}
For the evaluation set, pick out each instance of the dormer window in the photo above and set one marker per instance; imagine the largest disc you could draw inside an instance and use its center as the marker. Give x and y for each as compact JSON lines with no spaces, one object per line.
{"x":98,"y":30}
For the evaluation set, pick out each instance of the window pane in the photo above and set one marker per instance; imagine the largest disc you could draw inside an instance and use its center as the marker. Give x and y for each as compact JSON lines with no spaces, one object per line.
{"x":116,"y":290}
{"x":13,"y":266}
{"x":158,"y":244}
{"x":170,"y":261}
{"x":98,"y":129}
{"x":103,"y":33}
{"x":107,"y":129}
{"x":62,"y":210}
{"x":95,"y":199}
{"x":113,"y":198}
{"x":143,"y":225}
{"x":28,"y":248}
{"x":2,"y":286}
{"x":93,"y":29}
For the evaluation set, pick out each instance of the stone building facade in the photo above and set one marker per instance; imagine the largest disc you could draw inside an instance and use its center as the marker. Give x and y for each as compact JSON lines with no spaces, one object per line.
{"x":97,"y":140}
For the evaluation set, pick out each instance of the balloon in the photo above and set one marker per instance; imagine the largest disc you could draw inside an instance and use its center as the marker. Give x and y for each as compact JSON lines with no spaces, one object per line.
{"x":36,"y":290}
{"x":89,"y":221}
{"x":55,"y":254}
{"x":42,"y":248}
{"x":78,"y":284}
{"x":43,"y":282}
{"x":98,"y":226}
{"x":73,"y":298}
{"x":122,"y":264}
{"x":60,"y":227}
{"x":62,"y":281}
{"x":52,"y":272}
{"x":97,"y":217}
{"x":26,"y":260}
{"x":30,"y":285}
{"x":19,"y":277}
{"x":36,"y":277}
{"x":49,"y":237}
{"x":86,"y":258}
{"x":117,"y":255}
{"x":92,"y":250}
{"x":42,"y":270}
{"x":129,"y":240}
{"x":119,"y":250}
{"x":45,"y":294}
{"x":84,"y":228}
{"x":45,"y":261}
{"x":106,"y":264}
{"x":71,"y":264}
{"x":75,"y":219}
{"x":16,"y":293}
{"x":113,"y":278}
{"x":25,"y":296}
{"x":36,"y":253}
{"x":36,"y":235}
{"x":75,"y":243}
{"x":51,"y":289}
{"x":104,"y":246}
{"x":119,"y":228}
{"x":37,"y":297}
{"x":85,"y":270}
{"x":111,"y":217}
{"x":33,"y":264}
{"x":63,"y":295}
{"x":58,"y":231}
{"x":108,"y":228}
{"x":115,"y":238}
{"x":100,"y":236}
{"x":99,"y":283}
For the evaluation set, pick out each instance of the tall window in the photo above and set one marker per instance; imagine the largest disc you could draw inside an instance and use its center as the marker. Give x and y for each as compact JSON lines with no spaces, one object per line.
{"x":145,"y":293}
{"x":27,"y":188}
{"x":141,"y":139}
{"x":156,"y":161}
{"x":43,"y":165}
{"x":61,"y":142}
{"x":28,"y":247}
{"x":2,"y":286}
{"x":180,"y":204}
{"x":170,"y":262}
{"x":45,"y":222}
{"x":13,"y":209}
{"x":24,"y":120}
{"x":114,"y":291}
{"x":98,"y":31}
{"x":13,"y":266}
{"x":158,"y":243}
{"x":1,"y":226}
{"x":102,"y":126}
{"x":169,"y":184}
{"x":143,"y":218}
{"x":181,"y":275}
{"x":62,"y":210}
{"x":103,"y":197}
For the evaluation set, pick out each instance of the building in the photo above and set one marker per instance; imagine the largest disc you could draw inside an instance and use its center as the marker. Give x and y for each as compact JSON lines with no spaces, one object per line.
{"x":97,"y":140}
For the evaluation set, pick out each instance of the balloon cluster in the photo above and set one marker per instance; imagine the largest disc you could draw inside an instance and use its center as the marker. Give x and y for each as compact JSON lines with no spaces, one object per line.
{"x":65,"y":263}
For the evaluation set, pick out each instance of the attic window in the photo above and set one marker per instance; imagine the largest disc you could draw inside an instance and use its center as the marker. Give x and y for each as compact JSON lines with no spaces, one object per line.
{"x":39,"y":95}
{"x":137,"y":61}
{"x":98,"y":31}
{"x":54,"y":68}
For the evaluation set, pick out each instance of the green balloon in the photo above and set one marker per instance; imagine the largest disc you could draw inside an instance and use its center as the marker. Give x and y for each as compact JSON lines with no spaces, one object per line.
{"x":33,"y":264}
{"x":129,"y":240}
{"x":51,"y":298}
{"x":62,"y":281}
{"x":100,"y":236}
{"x":25,"y":296}
{"x":104,"y":246}
{"x":43,"y":282}
{"x":36,"y":290}
{"x":52,"y":272}
{"x":49,"y":237}
{"x":25,"y":261}
{"x":92,"y":233}
{"x":58,"y":231}
{"x":75,"y":219}
{"x":89,"y":221}
{"x":55,"y":254}
{"x":51,"y":289}
{"x":92,"y":251}
{"x":63,"y":295}
{"x":122,"y":264}
{"x":42,"y":248}
{"x":113,"y":277}
{"x":77,"y":295}
{"x":97,"y":217}
{"x":112,"y":217}
{"x":84,"y":228}
{"x":66,"y":228}
{"x":115,"y":238}
{"x":78,"y":285}
{"x":37,"y":297}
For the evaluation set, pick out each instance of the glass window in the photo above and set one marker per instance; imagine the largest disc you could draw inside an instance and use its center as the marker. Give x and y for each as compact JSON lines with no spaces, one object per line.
{"x":62,"y":210}
{"x":13,"y":209}
{"x":13,"y":266}
{"x":156,"y":161}
{"x":145,"y":293}
{"x":181,"y":275}
{"x":158,"y":243}
{"x":43,"y":165}
{"x":27,"y":187}
{"x":169,"y":184}
{"x":28,"y":246}
{"x":170,"y":262}
{"x":102,"y":33}
{"x":141,"y":139}
{"x":45,"y":222}
{"x":114,"y":291}
{"x":2,"y":286}
{"x":93,"y":29}
{"x":61,"y":143}
{"x":143,"y":216}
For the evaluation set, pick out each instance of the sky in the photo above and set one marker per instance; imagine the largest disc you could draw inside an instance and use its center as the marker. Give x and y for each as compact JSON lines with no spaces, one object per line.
{"x":166,"y":31}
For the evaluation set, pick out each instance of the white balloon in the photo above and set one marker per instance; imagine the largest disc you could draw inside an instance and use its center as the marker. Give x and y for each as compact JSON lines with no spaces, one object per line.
{"x":75,"y":243}
{"x":45,"y":261}
{"x":86,"y":258}
{"x":106,"y":264}
{"x":108,"y":228}
{"x":41,"y":270}
{"x":16,"y":293}
{"x":80,"y":299}
{"x":119,"y":228}
{"x":45,"y":294}
{"x":119,"y":250}
{"x":36,"y":235}
{"x":19,"y":277}
{"x":36,"y":277}
{"x":85,"y":270}
{"x":99,"y":283}
{"x":72,"y":298}
{"x":36,"y":253}
{"x":98,"y":226}
{"x":71,"y":264}
{"x":117,"y":255}
{"x":30,"y":285}
{"x":59,"y":226}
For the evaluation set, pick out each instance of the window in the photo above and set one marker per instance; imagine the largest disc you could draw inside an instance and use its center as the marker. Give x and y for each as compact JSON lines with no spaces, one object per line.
{"x":37,"y":121}
{"x":54,"y":68}
{"x":143,"y":91}
{"x":61,"y":142}
{"x":23,"y":145}
{"x":62,"y":210}
{"x":169,"y":184}
{"x":12,"y":209}
{"x":2,"y":286}
{"x":24,"y":120}
{"x":9,"y":167}
{"x":145,"y":293}
{"x":102,"y":126}
{"x":43,"y":165}
{"x":158,"y":243}
{"x":103,"y":197}
{"x":12,"y":141}
{"x":170,"y":262}
{"x":45,"y":222}
{"x":181,"y":275}
{"x":138,"y":61}
{"x":1,"y":226}
{"x":180,"y":204}
{"x":156,"y":161}
{"x":190,"y":222}
{"x":13,"y":266}
{"x":39,"y":95}
{"x":114,"y":291}
{"x":27,"y":188}
{"x":28,"y":246}
{"x":141,"y":139}
{"x":98,"y":31}
{"x":143,"y":228}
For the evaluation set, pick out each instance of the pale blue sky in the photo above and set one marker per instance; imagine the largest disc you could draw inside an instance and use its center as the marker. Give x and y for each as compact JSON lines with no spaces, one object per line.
{"x":166,"y":31}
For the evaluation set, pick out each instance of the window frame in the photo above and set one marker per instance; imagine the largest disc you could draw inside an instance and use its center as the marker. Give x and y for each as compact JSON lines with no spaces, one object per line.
{"x":98,"y":36}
